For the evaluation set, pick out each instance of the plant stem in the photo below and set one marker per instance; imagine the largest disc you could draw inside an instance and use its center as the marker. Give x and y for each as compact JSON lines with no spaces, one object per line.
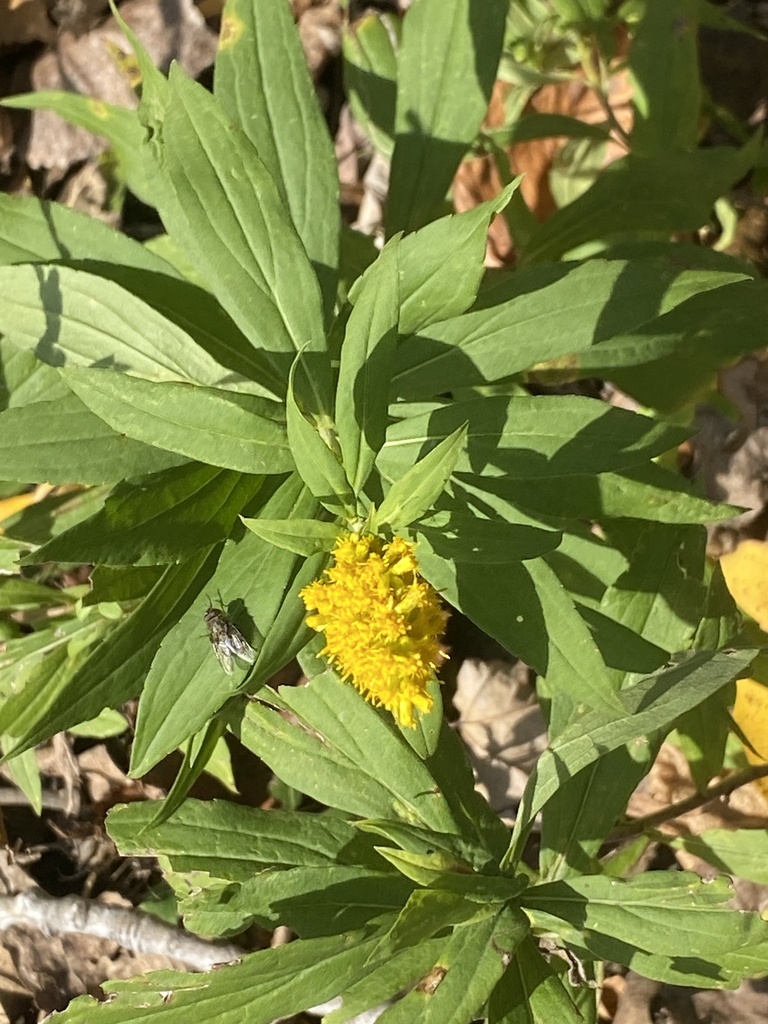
{"x":733,"y":782}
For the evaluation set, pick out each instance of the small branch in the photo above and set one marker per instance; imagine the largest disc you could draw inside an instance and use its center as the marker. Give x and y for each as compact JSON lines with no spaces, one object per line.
{"x":132,"y":929}
{"x":651,"y":821}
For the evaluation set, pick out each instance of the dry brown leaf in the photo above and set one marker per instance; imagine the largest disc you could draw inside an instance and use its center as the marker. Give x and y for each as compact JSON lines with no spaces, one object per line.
{"x":478,"y":180}
{"x":320,"y":32}
{"x":502,"y":728}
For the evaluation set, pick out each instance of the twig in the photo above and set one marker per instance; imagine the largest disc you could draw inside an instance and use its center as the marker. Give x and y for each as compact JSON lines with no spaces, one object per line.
{"x":132,"y":929}
{"x":735,"y":781}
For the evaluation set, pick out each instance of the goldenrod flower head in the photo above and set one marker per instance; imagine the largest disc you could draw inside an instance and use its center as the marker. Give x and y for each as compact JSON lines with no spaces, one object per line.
{"x":382,"y":622}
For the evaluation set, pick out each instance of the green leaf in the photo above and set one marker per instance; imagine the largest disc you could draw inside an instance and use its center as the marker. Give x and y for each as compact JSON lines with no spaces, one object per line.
{"x":366,"y":365}
{"x":720,"y":619}
{"x":531,"y":992}
{"x":446,"y":69}
{"x":121,"y":584}
{"x":452,"y":851}
{"x":667,"y":360}
{"x":61,"y":509}
{"x":725,"y":970}
{"x":33,"y":230}
{"x":259,"y":584}
{"x":24,"y":379}
{"x":550,"y":312}
{"x":262,"y":82}
{"x":661,"y":912}
{"x":63,"y":442}
{"x":318,"y":466}
{"x":318,"y":900}
{"x":370,"y":72}
{"x":351,"y":759}
{"x":42,"y":663}
{"x":532,"y":438}
{"x":256,"y":839}
{"x":120,"y":126}
{"x":670,"y":191}
{"x":661,"y":595}
{"x":417,"y":490}
{"x":574,"y":668}
{"x":642,"y":492}
{"x":239,"y":233}
{"x":650,"y":705}
{"x":162,"y":518}
{"x":197,"y":314}
{"x":442,"y":264}
{"x":388,"y":979}
{"x":586,"y":564}
{"x":72,"y":318}
{"x":703,"y":734}
{"x":302,"y":536}
{"x":518,"y":625}
{"x":221,"y":428}
{"x":579,"y":816}
{"x":470,"y":964}
{"x":544,"y":126}
{"x":198,"y":752}
{"x":17,"y":593}
{"x":664,"y":71}
{"x":25,"y":773}
{"x":115,"y":671}
{"x":427,"y":912}
{"x":462,"y":537}
{"x":742,"y":853}
{"x":262,"y":986}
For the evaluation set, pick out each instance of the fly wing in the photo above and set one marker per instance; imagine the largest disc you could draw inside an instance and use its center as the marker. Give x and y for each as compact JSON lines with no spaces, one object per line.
{"x":239,"y":646}
{"x":224,"y":658}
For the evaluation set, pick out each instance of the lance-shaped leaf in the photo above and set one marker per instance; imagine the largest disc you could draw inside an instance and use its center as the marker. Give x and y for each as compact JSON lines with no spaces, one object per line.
{"x":473,"y":958}
{"x":120,"y":126}
{"x":263,"y":986}
{"x":651,"y":705}
{"x":446,"y":69}
{"x":366,"y":366}
{"x":259,"y":585}
{"x":69,"y":317}
{"x":370,"y":73}
{"x":221,"y":428}
{"x":228,"y":213}
{"x":302,"y":536}
{"x":660,"y":912}
{"x":33,"y":230}
{"x":262,"y":82}
{"x":319,"y":467}
{"x":664,"y":69}
{"x":442,"y":264}
{"x":417,"y":490}
{"x":63,"y":442}
{"x":346,"y":755}
{"x":531,"y":991}
{"x":531,"y":438}
{"x":115,"y":671}
{"x":162,"y":518}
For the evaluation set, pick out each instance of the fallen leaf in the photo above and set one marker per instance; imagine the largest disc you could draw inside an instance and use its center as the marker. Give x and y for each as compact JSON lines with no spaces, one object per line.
{"x":746,"y":576}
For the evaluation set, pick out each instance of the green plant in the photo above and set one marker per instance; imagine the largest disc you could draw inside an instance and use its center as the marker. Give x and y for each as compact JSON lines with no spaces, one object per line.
{"x":230,"y":427}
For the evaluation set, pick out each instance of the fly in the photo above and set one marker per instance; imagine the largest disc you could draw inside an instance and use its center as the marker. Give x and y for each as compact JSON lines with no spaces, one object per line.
{"x":227,"y":640}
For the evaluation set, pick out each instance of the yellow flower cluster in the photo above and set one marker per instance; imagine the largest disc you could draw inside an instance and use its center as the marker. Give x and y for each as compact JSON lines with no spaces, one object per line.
{"x":382,"y":622}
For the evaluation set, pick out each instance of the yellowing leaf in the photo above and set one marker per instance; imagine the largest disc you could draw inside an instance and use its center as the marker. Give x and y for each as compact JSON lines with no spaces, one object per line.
{"x":751,"y":713}
{"x":746,"y":575}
